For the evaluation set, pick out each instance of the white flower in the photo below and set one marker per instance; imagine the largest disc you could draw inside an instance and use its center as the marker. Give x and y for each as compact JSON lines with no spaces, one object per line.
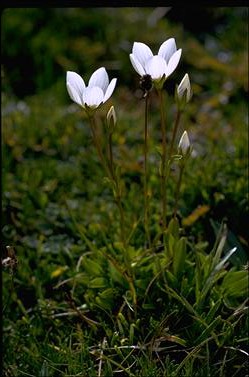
{"x":184,"y":90}
{"x":97,"y":92}
{"x":184,"y":143}
{"x":159,"y":66}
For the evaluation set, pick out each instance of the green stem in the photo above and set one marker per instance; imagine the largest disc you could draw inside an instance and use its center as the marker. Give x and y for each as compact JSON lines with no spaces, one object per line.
{"x":178,"y":116}
{"x":178,"y":188}
{"x":146,"y":195}
{"x":118,"y":195}
{"x":163,"y":171}
{"x":111,"y":154}
{"x":98,"y":146}
{"x":109,"y":169}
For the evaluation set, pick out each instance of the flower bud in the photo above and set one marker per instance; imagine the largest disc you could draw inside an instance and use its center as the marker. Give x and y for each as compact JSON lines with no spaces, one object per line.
{"x":111,"y":119}
{"x":183,"y":92}
{"x":184,"y":144}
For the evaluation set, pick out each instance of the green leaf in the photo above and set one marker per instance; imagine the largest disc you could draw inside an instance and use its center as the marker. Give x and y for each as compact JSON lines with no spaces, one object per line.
{"x":98,"y":283}
{"x":171,"y":244}
{"x":173,"y":228}
{"x":209,"y":317}
{"x":105,"y":299}
{"x":92,"y":268}
{"x":171,"y":278}
{"x":179,"y":256}
{"x":206,"y":333}
{"x":116,"y":276}
{"x":235,"y":283}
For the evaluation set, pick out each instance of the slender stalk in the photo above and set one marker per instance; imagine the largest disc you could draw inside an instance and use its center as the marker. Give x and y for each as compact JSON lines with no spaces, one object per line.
{"x":98,"y":146}
{"x":118,"y":195}
{"x":118,"y":201}
{"x":109,"y":170}
{"x":110,"y":154}
{"x":146,"y":195}
{"x":178,"y":188}
{"x":163,"y":170}
{"x":177,"y":120}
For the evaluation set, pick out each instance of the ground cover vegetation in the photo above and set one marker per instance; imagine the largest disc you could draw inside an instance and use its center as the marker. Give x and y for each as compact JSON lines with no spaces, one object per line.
{"x":121,"y":269}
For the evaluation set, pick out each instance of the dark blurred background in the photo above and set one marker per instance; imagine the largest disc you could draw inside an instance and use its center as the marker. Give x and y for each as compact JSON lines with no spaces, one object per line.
{"x":40,"y":44}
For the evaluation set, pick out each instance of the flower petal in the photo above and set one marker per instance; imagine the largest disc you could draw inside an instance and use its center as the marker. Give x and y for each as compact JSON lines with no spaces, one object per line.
{"x":75,"y":86}
{"x":136,"y":65}
{"x":110,"y":90}
{"x":173,"y":62}
{"x":167,"y":49}
{"x":156,"y":67}
{"x":142,"y":52}
{"x":99,"y":78}
{"x":93,"y":96}
{"x":74,"y":95}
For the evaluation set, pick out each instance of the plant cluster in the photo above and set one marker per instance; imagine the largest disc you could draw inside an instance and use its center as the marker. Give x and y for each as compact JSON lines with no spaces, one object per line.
{"x":137,"y":295}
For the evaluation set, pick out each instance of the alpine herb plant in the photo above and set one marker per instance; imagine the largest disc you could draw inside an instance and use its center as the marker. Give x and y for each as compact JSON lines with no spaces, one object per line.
{"x":167,"y":272}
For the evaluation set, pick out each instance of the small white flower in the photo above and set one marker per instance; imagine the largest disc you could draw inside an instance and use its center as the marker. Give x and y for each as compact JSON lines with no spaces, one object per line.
{"x":184,"y":144}
{"x":159,"y":66}
{"x":97,"y":92}
{"x":184,"y":88}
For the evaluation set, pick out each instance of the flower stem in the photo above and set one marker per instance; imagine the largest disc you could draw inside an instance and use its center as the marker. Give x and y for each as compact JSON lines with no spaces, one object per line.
{"x":117,"y":191}
{"x":146,"y":194}
{"x":178,"y":188}
{"x":177,"y":120}
{"x":98,"y":146}
{"x":110,"y":154}
{"x":108,"y":166}
{"x":163,"y":167}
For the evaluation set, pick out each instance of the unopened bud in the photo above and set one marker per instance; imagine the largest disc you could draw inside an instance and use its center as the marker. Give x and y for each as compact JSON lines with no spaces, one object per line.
{"x":111,"y":119}
{"x":184,"y":144}
{"x":183,"y":92}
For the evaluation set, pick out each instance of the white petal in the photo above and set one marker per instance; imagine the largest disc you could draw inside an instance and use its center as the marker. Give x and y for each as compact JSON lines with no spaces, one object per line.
{"x":93,"y":96}
{"x":167,"y":49}
{"x":156,"y":67}
{"x":74,"y":95}
{"x":75,"y":86}
{"x":110,"y":90}
{"x":99,"y":78}
{"x":173,"y":61}
{"x":136,"y":65}
{"x":142,"y":52}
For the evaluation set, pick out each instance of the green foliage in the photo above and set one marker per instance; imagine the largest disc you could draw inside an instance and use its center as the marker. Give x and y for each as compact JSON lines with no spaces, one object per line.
{"x":77,"y":302}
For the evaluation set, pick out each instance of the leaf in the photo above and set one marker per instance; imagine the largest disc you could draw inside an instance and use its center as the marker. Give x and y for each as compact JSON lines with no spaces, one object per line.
{"x":171,"y":278}
{"x":171,"y":244}
{"x":98,"y":283}
{"x":220,"y":265}
{"x":205,"y":334}
{"x":92,"y":268}
{"x":215,"y":274}
{"x":176,"y":339}
{"x":179,"y":256}
{"x":209,"y":317}
{"x":173,"y":228}
{"x":105,"y":299}
{"x":235,"y":283}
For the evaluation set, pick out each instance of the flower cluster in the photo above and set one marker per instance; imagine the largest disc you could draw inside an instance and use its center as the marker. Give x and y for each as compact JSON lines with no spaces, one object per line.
{"x":158,"y":67}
